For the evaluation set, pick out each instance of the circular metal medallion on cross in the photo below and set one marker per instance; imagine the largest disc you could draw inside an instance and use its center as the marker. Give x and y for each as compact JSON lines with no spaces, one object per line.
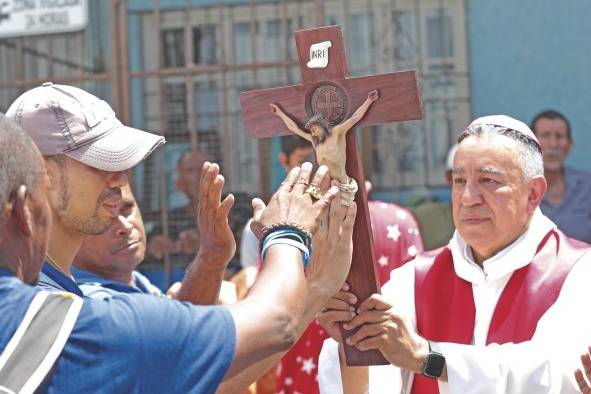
{"x":329,"y":99}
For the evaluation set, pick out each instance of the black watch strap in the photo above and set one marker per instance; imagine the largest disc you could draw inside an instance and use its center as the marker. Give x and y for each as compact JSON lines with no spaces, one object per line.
{"x":434,"y":364}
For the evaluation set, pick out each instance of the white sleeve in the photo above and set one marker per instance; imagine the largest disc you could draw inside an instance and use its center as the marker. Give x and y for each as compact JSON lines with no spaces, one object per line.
{"x":382,"y":379}
{"x":329,"y":368}
{"x":249,"y":247}
{"x":543,"y":365}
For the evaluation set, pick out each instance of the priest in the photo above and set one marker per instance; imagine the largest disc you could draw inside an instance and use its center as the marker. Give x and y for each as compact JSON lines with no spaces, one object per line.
{"x":488,"y":312}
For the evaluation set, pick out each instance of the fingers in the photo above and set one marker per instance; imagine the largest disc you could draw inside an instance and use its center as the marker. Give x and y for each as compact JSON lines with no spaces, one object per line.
{"x":375,"y":301}
{"x":366,"y":317}
{"x":225,"y":206}
{"x":586,"y":360}
{"x":327,"y":199}
{"x":367,"y":331}
{"x":289,"y":181}
{"x":335,"y":220}
{"x":349,"y":222}
{"x":369,"y":344}
{"x":258,"y":206}
{"x":320,"y":176}
{"x":328,"y":317}
{"x":340,"y":305}
{"x":581,"y":382}
{"x":303,"y":178}
{"x":215,"y":192}
{"x":349,"y":298}
{"x":209,"y":172}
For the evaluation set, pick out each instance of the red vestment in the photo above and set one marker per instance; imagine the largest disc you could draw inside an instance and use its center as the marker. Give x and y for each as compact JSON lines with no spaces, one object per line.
{"x":445,"y":307}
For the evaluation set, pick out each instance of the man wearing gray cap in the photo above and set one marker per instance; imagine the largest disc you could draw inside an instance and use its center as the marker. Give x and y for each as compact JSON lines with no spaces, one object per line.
{"x":87,"y":151}
{"x":492,"y":312}
{"x":57,"y":342}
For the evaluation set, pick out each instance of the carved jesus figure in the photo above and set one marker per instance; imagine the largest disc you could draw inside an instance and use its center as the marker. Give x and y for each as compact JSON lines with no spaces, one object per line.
{"x":329,"y":142}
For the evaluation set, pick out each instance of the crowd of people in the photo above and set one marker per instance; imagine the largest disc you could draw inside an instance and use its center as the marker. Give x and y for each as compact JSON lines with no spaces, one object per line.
{"x":497,"y":307}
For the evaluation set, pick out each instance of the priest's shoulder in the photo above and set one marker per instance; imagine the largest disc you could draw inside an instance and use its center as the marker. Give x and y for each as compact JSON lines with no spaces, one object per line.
{"x":426,"y":259}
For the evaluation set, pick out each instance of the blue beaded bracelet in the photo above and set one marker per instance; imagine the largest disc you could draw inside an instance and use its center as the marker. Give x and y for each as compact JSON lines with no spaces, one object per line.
{"x":286,"y":237}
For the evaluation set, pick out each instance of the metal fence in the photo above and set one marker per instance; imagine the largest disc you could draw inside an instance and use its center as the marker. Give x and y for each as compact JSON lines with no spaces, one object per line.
{"x":177,"y":69}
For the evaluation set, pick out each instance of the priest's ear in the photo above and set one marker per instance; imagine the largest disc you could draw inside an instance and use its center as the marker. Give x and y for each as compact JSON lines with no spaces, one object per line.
{"x":537,"y":189}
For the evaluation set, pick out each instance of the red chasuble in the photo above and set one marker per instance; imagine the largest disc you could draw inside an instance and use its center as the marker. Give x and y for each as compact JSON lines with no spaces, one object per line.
{"x":445,"y":305}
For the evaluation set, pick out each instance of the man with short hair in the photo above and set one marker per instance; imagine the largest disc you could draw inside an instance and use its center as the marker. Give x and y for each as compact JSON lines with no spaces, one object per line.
{"x":106,"y":263}
{"x":87,"y":151}
{"x":55,"y":342}
{"x":566,"y":202}
{"x":481,"y":315}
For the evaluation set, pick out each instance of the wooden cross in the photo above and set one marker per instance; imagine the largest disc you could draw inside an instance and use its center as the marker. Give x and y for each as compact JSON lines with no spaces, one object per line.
{"x":328,"y":90}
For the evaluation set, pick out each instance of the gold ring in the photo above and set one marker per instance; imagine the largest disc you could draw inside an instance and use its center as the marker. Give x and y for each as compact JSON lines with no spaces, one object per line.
{"x":314,"y":191}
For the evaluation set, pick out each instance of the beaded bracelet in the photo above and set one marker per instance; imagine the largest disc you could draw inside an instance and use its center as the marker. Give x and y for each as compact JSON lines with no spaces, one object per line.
{"x":287,"y":241}
{"x":287,"y":236}
{"x":287,"y":225}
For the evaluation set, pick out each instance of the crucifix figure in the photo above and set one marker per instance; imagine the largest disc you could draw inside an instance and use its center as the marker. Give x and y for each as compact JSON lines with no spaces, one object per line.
{"x":329,"y":144}
{"x":327,"y":90}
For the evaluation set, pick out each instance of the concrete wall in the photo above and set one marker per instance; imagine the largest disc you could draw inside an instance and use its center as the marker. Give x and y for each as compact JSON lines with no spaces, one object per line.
{"x":530,"y":55}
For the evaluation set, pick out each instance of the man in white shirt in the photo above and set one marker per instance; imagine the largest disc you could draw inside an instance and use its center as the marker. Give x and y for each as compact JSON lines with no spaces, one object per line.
{"x":494,"y":286}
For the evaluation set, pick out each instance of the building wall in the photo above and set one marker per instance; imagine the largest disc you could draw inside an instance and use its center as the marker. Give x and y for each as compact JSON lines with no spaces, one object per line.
{"x":530,"y":55}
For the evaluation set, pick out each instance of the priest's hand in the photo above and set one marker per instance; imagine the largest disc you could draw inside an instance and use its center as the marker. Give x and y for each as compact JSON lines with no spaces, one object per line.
{"x":340,"y":308}
{"x":291,"y":204}
{"x":583,"y":385}
{"x":384,"y":329}
{"x":217,"y":243}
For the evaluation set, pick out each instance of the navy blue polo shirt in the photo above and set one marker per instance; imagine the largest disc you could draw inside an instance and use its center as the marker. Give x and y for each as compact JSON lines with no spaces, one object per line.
{"x":132,"y":343}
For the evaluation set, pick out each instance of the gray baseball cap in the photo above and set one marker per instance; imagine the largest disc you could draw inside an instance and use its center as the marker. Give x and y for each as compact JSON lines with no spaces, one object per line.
{"x":67,"y":120}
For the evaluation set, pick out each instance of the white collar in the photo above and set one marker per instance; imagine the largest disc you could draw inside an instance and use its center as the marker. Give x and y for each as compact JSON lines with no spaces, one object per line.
{"x":518,"y":254}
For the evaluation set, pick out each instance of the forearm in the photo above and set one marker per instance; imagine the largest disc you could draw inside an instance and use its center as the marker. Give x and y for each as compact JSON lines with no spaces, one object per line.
{"x":315,"y":299}
{"x":355,"y":379}
{"x":202,"y":282}
{"x":267,"y":320}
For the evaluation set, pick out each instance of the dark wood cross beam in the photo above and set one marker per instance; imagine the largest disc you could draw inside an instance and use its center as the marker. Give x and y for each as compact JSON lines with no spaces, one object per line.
{"x":328,"y":90}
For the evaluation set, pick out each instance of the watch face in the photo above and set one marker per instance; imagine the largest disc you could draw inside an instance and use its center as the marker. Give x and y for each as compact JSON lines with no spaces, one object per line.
{"x":434,"y":365}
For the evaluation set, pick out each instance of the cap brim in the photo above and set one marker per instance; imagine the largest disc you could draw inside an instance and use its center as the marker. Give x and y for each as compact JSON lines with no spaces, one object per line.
{"x":119,"y":150}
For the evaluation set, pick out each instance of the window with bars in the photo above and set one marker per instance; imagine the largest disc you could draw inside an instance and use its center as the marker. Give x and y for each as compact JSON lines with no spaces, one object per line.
{"x":359,"y":45}
{"x":173,"y":47}
{"x":440,"y":40}
{"x":204,"y":44}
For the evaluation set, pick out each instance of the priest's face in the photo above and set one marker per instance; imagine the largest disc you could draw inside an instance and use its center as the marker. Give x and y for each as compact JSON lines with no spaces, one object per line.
{"x":491,"y":203}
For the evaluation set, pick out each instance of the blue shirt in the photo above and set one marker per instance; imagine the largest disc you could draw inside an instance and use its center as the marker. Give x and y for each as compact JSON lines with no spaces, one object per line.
{"x":52,"y":279}
{"x":95,"y":286}
{"x":132,"y":343}
{"x":573,"y":214}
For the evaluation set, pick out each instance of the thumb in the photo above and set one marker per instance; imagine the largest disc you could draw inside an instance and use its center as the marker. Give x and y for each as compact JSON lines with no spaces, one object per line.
{"x":258,"y":206}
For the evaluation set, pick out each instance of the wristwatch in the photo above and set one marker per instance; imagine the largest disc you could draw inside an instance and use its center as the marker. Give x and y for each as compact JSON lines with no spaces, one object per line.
{"x":434,"y":364}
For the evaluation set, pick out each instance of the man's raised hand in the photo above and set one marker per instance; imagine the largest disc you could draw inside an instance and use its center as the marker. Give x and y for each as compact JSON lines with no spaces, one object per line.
{"x":292,"y":205}
{"x":217,"y":244}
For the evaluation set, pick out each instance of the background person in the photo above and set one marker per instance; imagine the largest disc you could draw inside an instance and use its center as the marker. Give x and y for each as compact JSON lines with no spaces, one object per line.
{"x":569,"y":190}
